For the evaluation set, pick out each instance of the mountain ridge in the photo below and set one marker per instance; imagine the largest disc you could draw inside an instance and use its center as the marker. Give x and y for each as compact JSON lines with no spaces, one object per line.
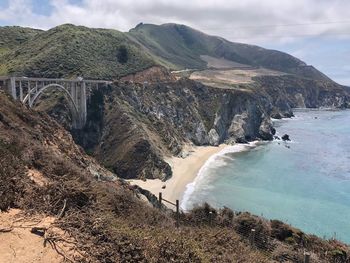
{"x":253,"y":55}
{"x":92,"y":52}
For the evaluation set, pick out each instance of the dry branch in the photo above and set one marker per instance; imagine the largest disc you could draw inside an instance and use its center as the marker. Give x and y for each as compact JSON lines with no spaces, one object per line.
{"x":63,"y":209}
{"x":5,"y":230}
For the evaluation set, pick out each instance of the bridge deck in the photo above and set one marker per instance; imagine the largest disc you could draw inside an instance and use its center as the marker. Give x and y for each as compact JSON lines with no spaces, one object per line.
{"x":2,"y":78}
{"x":27,"y":90}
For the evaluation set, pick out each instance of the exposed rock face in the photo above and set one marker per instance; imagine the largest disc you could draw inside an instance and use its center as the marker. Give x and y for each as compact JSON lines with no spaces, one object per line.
{"x":214,"y":138}
{"x":131,"y":126}
{"x":139,"y":125}
{"x":266,"y":130}
{"x":289,"y":92}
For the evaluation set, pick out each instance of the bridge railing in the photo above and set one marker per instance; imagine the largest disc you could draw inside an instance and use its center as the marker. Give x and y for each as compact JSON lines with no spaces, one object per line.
{"x":27,"y":90}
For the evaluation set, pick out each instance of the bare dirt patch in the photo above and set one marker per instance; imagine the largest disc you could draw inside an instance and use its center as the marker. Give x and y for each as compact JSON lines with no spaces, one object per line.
{"x":25,"y":238}
{"x":229,"y":77}
{"x":37,"y":177}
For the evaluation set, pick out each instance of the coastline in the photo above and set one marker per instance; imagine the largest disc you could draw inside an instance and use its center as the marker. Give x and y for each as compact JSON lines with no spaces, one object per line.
{"x":185,"y":171}
{"x":188,"y":171}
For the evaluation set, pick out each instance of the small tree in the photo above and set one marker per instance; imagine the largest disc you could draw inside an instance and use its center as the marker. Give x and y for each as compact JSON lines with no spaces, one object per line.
{"x":122,"y":55}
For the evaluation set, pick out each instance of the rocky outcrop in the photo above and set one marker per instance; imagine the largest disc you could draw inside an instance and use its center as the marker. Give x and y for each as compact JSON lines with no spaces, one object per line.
{"x":287,"y":92}
{"x":138,"y":125}
{"x":132,"y":126}
{"x":266,"y":130}
{"x":285,"y":137}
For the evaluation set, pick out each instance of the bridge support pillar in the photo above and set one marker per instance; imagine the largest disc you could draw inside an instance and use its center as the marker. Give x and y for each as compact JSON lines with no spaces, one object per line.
{"x":78,"y":94}
{"x":27,"y":90}
{"x":13,"y":88}
{"x":83,"y":100}
{"x":20,"y":91}
{"x":28,"y":94}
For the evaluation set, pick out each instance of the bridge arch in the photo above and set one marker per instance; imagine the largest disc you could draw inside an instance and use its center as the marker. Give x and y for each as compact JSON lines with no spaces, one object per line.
{"x":71,"y":103}
{"x":74,"y":90}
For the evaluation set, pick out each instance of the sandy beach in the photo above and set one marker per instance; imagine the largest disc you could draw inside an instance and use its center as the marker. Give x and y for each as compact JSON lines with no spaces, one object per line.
{"x":185,"y":171}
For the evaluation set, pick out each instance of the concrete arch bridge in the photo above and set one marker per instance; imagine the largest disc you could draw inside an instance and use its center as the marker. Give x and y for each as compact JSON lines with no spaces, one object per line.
{"x":28,"y":90}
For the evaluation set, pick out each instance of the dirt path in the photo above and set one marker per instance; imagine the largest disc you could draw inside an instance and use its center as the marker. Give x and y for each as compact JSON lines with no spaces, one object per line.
{"x":18,"y":244}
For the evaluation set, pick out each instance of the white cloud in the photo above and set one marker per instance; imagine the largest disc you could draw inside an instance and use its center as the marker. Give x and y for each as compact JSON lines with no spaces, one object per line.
{"x":246,"y":21}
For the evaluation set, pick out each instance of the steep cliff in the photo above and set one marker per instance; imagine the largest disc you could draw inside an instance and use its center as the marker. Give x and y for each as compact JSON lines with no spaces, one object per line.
{"x":138,"y":125}
{"x":135,"y":123}
{"x":287,"y":92}
{"x":45,"y":176}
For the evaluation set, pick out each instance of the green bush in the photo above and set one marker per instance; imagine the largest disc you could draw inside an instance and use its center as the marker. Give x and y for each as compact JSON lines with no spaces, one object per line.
{"x":122,"y":55}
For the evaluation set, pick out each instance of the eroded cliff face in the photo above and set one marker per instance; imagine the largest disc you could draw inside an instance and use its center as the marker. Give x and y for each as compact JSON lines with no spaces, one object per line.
{"x":138,"y":125}
{"x":133,"y":126}
{"x":287,"y":92}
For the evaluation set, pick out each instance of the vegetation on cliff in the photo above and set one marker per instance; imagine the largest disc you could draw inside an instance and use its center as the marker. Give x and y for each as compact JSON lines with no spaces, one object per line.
{"x":108,"y":222}
{"x":70,"y":51}
{"x":130,"y":121}
{"x":13,"y":36}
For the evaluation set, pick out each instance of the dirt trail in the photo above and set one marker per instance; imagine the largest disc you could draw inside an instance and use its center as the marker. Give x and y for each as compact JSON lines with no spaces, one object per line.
{"x":18,"y":244}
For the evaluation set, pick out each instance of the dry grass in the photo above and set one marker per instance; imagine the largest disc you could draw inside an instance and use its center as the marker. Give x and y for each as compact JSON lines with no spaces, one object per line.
{"x":231,"y":77}
{"x":108,"y":221}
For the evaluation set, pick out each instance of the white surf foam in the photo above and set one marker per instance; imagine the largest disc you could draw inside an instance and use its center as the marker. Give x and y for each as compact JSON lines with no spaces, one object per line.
{"x":217,"y":160}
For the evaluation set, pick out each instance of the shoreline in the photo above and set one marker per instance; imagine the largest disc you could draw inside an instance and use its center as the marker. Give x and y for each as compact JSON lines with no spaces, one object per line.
{"x":188,"y":171}
{"x":185,"y":170}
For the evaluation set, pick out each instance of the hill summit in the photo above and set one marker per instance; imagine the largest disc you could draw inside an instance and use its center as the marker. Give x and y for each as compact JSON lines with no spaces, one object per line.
{"x":68,"y":51}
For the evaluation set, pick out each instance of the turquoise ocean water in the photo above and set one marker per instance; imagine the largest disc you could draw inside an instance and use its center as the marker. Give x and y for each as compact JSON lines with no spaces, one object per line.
{"x":305,"y":182}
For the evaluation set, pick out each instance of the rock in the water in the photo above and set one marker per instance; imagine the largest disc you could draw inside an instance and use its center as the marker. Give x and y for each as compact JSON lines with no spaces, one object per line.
{"x":273,"y":130}
{"x":285,"y":137}
{"x":277,"y":138}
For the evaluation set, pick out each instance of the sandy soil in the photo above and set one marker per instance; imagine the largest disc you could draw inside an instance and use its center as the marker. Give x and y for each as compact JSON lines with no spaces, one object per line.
{"x":185,"y":171}
{"x":224,"y":78}
{"x":37,"y":177}
{"x":18,"y":244}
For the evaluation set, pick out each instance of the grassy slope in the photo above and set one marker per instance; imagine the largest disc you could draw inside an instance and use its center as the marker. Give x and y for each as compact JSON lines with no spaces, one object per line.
{"x":68,"y":51}
{"x":182,"y":46}
{"x":13,"y":36}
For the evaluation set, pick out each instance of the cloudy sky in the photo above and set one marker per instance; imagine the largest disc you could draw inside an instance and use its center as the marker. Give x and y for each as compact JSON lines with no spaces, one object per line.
{"x":317,"y":31}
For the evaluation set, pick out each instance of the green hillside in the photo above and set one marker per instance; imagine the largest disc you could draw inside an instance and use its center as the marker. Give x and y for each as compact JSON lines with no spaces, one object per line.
{"x":12,"y":36}
{"x":182,"y":46}
{"x":69,"y":51}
